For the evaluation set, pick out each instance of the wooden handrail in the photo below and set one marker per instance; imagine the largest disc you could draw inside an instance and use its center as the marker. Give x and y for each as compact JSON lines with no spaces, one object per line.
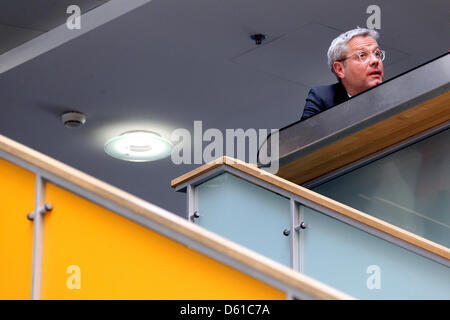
{"x":367,"y":141}
{"x":236,"y":252}
{"x":319,"y":199}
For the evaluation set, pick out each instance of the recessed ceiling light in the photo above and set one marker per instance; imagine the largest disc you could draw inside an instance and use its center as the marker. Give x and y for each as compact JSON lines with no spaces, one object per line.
{"x":138,"y":146}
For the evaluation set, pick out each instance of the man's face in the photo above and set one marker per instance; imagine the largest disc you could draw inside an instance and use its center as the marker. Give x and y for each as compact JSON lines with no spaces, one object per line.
{"x":358,"y":76}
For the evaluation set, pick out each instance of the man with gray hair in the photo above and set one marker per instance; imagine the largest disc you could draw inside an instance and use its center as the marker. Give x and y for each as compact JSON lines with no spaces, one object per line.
{"x":356,"y":60}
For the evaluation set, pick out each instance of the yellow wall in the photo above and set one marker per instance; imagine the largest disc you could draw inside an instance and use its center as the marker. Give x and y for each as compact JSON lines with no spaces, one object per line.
{"x":119,"y":259}
{"x":16,"y":231}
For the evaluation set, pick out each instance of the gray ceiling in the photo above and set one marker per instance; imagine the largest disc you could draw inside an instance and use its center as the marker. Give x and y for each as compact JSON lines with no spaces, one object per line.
{"x":23,"y":20}
{"x":170,"y":62}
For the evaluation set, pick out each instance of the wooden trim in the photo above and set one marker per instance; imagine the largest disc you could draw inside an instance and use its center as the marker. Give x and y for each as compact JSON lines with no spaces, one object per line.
{"x":368,"y":141}
{"x":177,"y":224}
{"x":196,"y":172}
{"x":338,"y":207}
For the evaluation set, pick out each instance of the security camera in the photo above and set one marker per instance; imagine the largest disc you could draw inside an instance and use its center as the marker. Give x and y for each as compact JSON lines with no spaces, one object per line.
{"x":73,"y":119}
{"x":258,"y":38}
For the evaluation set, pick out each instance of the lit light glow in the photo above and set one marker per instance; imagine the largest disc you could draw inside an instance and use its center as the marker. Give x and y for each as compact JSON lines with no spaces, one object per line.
{"x":138,"y":146}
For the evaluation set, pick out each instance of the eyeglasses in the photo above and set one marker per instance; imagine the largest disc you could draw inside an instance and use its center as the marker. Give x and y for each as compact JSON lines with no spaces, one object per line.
{"x":364,"y":55}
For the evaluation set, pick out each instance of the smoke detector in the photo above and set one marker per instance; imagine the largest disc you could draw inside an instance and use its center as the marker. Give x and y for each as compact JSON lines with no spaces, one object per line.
{"x":73,"y":119}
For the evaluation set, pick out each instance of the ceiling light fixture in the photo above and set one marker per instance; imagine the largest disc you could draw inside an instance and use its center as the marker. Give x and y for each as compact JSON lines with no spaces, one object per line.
{"x":138,"y":146}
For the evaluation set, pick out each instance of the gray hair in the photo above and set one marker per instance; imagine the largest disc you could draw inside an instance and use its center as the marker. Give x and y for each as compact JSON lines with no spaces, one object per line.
{"x":338,"y":48}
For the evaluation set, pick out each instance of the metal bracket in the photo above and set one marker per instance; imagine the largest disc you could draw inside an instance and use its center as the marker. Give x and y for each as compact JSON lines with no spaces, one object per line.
{"x":302,"y":225}
{"x":44,"y":209}
{"x":195,"y":215}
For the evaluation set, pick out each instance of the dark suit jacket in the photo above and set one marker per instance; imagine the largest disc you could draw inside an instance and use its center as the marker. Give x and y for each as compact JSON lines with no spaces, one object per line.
{"x":322,"y":98}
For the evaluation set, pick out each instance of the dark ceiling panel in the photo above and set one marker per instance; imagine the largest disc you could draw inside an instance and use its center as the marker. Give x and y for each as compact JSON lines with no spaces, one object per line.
{"x":11,"y":37}
{"x":40,"y":15}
